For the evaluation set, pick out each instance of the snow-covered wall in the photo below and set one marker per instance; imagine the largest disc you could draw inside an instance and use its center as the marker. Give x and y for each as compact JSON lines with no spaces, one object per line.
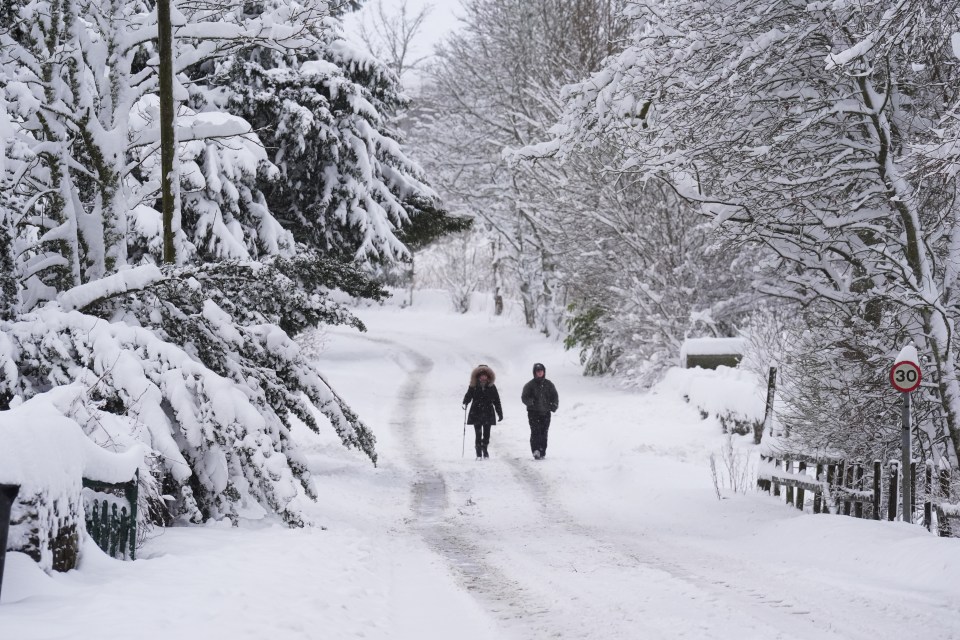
{"x":48,"y":455}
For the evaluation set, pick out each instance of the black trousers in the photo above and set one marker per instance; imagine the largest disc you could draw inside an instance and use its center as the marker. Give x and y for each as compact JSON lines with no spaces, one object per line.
{"x":539,"y":427}
{"x":483,"y":436}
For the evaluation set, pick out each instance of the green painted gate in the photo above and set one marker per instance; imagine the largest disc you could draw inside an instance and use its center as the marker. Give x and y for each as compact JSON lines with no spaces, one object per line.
{"x":114,"y":530}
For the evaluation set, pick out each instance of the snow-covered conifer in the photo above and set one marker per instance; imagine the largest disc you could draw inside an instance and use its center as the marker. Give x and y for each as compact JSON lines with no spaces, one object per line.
{"x":343,"y":184}
{"x":196,"y":360}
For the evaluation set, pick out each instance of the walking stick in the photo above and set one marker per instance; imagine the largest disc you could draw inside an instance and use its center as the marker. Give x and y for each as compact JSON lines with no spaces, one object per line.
{"x":463,"y":447}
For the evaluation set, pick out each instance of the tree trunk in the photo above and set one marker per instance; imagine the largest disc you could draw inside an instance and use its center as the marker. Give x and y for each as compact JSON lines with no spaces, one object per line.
{"x":497,"y":265}
{"x":167,"y":142}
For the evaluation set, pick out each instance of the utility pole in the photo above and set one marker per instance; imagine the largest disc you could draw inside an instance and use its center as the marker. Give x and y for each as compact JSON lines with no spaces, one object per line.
{"x":167,"y":144}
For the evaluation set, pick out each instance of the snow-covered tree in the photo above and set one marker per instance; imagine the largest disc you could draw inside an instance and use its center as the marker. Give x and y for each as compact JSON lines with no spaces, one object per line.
{"x":196,"y":360}
{"x":494,"y":86}
{"x":656,"y":273}
{"x":625,"y":269}
{"x":323,"y":112}
{"x":803,"y":126}
{"x":392,"y":35}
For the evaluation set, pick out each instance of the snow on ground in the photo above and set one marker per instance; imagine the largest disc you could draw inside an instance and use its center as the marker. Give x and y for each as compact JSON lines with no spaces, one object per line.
{"x":618,"y":533}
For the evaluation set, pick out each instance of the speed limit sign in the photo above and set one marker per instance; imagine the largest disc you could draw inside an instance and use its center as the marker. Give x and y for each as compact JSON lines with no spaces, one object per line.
{"x":905,"y":376}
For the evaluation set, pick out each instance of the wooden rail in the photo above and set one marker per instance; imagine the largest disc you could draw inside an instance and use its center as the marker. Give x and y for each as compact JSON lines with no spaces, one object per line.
{"x":837,"y":487}
{"x":840,"y":487}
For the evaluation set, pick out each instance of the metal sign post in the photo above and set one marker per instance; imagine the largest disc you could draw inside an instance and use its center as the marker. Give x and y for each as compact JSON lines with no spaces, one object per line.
{"x":906,"y":455}
{"x":905,"y":377}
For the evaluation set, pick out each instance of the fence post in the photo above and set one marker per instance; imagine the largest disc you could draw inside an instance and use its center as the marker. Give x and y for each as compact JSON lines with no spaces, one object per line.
{"x":776,"y":485}
{"x":928,"y":485}
{"x":943,"y":527}
{"x":894,"y":492}
{"x":765,"y":485}
{"x":768,"y":412}
{"x":8,"y":493}
{"x":913,"y":489}
{"x":877,"y":471}
{"x":831,"y":479}
{"x":847,"y":484}
{"x":802,"y":470}
{"x":818,"y":494}
{"x":132,"y":493}
{"x":789,"y":468}
{"x":858,"y":479}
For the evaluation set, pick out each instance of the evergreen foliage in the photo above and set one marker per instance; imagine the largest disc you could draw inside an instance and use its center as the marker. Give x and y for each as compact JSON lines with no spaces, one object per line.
{"x":344,"y":186}
{"x":275,"y":212}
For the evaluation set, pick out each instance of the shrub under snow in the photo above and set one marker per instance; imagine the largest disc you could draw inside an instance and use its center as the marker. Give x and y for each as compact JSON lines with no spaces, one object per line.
{"x":47,"y":454}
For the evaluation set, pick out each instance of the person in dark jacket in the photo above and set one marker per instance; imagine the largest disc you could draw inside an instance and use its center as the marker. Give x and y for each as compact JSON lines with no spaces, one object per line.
{"x":485,"y":409}
{"x":540,"y":397}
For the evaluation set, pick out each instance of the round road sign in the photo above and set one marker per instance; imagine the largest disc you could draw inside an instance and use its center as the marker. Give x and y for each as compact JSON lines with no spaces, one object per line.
{"x":905,"y":376}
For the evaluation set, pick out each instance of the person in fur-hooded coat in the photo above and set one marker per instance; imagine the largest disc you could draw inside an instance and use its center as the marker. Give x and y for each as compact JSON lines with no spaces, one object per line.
{"x":485,"y":409}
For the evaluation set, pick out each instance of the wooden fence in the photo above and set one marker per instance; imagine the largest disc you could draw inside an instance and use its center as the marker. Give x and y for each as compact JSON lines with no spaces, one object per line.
{"x":114,"y":530}
{"x":842,"y":487}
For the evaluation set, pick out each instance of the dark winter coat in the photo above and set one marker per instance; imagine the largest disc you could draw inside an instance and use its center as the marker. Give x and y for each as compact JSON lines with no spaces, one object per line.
{"x":540,"y":396}
{"x":484,"y":400}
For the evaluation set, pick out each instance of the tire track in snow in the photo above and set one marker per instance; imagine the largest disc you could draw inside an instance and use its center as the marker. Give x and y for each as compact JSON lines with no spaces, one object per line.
{"x":758,"y":595}
{"x":504,"y":598}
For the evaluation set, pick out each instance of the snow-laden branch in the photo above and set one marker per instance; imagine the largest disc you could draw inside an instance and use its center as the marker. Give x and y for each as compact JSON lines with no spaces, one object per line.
{"x":119,"y":283}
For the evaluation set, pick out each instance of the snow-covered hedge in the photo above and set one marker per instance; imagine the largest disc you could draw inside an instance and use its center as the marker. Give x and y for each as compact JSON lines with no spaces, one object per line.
{"x":732,"y":395}
{"x":47,"y":454}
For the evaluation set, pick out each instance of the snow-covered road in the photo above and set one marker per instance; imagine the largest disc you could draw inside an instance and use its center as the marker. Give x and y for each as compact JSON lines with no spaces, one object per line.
{"x":617,"y":534}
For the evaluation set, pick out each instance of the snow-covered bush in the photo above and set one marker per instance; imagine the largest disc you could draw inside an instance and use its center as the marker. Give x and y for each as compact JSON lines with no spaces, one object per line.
{"x":201,"y":359}
{"x":48,"y":455}
{"x":732,"y":470}
{"x":731,"y":395}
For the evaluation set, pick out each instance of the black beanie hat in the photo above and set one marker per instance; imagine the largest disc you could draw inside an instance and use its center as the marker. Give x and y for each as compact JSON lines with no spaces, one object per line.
{"x":539,"y":367}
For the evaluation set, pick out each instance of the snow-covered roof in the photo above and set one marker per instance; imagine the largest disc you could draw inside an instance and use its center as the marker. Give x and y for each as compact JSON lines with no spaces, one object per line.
{"x":711,"y":346}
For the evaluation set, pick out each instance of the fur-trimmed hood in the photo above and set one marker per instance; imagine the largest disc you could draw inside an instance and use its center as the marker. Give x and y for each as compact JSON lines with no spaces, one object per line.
{"x":482,"y":368}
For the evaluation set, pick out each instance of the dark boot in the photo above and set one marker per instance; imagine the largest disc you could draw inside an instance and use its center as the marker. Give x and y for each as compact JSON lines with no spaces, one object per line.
{"x":479,"y":453}
{"x":485,"y":454}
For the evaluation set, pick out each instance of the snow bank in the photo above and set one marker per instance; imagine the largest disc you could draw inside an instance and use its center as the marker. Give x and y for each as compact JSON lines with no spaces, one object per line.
{"x":48,"y":455}
{"x":728,"y":394}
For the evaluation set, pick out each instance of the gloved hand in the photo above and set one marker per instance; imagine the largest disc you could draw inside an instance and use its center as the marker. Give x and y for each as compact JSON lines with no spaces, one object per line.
{"x":464,"y":407}
{"x":500,"y":418}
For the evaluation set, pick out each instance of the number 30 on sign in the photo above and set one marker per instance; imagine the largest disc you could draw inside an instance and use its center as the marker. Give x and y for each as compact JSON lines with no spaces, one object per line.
{"x":905,"y":376}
